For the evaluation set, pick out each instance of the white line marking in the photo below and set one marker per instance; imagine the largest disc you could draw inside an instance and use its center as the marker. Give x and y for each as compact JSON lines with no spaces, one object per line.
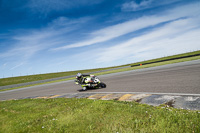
{"x":155,"y":93}
{"x":191,"y":99}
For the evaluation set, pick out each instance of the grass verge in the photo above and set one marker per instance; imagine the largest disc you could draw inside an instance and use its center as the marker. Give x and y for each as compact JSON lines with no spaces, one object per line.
{"x":150,"y":65}
{"x":36,"y":84}
{"x":31,"y":78}
{"x":116,"y":71}
{"x":173,"y":57}
{"x":84,"y":115}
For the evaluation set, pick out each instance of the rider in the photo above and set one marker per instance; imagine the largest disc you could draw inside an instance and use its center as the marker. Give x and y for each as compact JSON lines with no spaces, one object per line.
{"x":81,"y":78}
{"x":89,"y":81}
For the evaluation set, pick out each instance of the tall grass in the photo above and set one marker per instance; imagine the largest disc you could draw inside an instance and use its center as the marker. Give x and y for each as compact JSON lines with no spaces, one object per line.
{"x":84,"y":115}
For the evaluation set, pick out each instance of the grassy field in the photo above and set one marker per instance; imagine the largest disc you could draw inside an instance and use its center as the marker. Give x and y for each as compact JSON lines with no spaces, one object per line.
{"x":84,"y":115}
{"x":150,"y":65}
{"x":30,"y":78}
{"x":168,"y":57}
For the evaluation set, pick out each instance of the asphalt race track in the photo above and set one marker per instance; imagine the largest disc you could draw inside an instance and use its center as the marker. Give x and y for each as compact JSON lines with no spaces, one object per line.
{"x":183,"y":78}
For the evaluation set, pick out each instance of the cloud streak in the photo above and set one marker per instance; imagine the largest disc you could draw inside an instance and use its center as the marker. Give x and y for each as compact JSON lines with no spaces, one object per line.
{"x":181,"y":35}
{"x":132,"y":6}
{"x":30,"y":42}
{"x":124,"y":28}
{"x":17,"y":66}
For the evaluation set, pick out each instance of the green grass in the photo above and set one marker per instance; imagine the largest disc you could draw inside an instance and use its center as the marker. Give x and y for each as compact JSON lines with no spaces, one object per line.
{"x":150,"y":65}
{"x":37,"y":84}
{"x":95,"y":116}
{"x":168,"y":57}
{"x":30,"y":78}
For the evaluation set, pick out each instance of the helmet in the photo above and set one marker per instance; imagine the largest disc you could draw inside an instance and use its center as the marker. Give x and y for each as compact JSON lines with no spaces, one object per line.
{"x":79,"y":75}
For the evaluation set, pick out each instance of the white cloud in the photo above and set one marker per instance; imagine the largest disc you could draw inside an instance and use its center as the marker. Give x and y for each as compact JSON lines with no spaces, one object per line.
{"x":4,"y":64}
{"x":173,"y":38}
{"x":118,"y":30}
{"x":28,"y":43}
{"x":133,"y":6}
{"x":18,"y":65}
{"x":30,"y":46}
{"x":20,"y":51}
{"x":145,"y":4}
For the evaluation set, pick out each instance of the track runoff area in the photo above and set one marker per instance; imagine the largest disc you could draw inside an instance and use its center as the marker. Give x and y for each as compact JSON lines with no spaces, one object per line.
{"x":168,"y":84}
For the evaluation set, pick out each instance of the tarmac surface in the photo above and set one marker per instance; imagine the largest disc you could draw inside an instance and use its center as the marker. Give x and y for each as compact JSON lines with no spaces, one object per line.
{"x":174,"y":80}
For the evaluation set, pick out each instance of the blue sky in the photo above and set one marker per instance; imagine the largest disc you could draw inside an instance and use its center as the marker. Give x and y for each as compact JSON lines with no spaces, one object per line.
{"x":44,"y":36}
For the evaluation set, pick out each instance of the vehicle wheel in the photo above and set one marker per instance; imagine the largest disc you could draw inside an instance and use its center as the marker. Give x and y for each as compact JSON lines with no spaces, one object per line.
{"x":103,"y":85}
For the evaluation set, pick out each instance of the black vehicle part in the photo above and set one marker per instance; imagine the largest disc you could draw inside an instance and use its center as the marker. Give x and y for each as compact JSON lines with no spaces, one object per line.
{"x":103,"y":85}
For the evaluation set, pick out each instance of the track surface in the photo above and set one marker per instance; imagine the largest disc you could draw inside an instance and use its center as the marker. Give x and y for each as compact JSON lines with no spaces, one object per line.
{"x":174,"y":78}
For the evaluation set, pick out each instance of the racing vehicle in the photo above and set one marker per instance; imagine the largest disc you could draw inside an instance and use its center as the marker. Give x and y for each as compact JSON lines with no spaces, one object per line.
{"x":89,"y":81}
